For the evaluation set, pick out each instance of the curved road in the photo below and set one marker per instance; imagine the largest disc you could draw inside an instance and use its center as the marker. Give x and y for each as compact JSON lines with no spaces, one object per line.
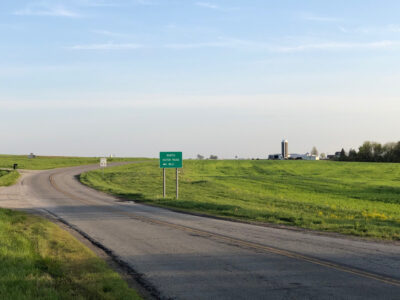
{"x":189,"y":257}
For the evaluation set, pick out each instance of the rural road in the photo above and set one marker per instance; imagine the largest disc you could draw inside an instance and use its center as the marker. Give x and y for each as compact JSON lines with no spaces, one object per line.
{"x":189,"y":257}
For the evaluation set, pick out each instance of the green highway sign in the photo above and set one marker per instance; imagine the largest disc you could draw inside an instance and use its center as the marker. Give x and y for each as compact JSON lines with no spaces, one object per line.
{"x":170,"y":160}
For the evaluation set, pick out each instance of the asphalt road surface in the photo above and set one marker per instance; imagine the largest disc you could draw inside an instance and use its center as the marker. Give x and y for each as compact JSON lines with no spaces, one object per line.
{"x":181,"y":256}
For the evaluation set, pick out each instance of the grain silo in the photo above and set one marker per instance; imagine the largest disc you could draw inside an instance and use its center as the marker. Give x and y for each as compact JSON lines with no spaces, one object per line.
{"x":285,"y":149}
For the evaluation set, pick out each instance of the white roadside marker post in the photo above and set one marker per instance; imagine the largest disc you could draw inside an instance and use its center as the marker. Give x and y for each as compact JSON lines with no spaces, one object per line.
{"x":103,"y":164}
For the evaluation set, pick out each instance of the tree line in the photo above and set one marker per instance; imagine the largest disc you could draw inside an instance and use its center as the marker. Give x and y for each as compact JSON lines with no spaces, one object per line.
{"x":372,"y":152}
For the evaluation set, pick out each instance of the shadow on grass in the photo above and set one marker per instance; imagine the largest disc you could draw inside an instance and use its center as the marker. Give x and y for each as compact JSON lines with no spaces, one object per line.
{"x":173,"y":203}
{"x":126,"y":197}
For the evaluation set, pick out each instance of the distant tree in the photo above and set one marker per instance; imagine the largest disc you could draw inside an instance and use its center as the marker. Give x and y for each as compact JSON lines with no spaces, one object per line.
{"x":322,"y":156}
{"x":314,"y":151}
{"x":391,"y":152}
{"x":365,"y":152}
{"x":352,"y":155}
{"x":372,"y":152}
{"x":342,"y":156}
{"x":200,"y":157}
{"x":377,"y":152}
{"x":388,"y":151}
{"x":396,"y":153}
{"x":213,"y":157}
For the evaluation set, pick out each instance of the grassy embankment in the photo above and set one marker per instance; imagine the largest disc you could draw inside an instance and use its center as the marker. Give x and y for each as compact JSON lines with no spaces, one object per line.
{"x":38,"y":260}
{"x":361,"y":199}
{"x":8,"y":178}
{"x":52,"y":162}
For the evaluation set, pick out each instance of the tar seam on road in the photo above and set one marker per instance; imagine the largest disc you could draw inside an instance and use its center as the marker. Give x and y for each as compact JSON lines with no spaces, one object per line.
{"x":242,"y":243}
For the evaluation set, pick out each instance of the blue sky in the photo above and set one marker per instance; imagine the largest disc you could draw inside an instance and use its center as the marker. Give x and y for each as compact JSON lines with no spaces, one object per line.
{"x":135,"y":77}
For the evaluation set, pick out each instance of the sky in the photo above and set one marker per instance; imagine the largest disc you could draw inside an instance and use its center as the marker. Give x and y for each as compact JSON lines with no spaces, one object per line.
{"x":230,"y":78}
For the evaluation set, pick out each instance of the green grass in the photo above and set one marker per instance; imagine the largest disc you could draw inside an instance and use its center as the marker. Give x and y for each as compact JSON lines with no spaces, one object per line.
{"x":38,"y":260}
{"x":8,"y":178}
{"x":51,"y":162}
{"x":360,"y":199}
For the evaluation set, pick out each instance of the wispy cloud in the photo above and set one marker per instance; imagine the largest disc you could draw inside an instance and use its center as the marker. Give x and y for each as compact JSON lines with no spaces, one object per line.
{"x":318,"y":18}
{"x":96,"y":3}
{"x":392,"y":28}
{"x":108,"y":46}
{"x":183,"y":46}
{"x":145,"y":2}
{"x":207,"y":5}
{"x":220,"y":43}
{"x":32,"y":70}
{"x":248,"y":45}
{"x":213,"y":6}
{"x":50,"y":9}
{"x":111,"y":3}
{"x":111,"y":33}
{"x":340,"y":46}
{"x":46,"y":10}
{"x":263,"y":46}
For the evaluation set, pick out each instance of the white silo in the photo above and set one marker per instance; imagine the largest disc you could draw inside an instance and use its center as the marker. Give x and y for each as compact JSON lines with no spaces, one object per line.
{"x":285,"y":149}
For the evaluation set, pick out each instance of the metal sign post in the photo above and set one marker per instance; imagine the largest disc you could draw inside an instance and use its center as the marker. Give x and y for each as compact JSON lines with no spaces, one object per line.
{"x":171,"y":160}
{"x":164,"y":184}
{"x":103,"y":164}
{"x":177,"y":183}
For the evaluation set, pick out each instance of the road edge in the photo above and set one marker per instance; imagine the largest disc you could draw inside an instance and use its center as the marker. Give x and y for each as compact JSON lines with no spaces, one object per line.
{"x":134,"y":279}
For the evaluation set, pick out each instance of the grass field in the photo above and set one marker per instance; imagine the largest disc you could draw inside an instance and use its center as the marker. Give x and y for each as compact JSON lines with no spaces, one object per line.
{"x":38,"y":260}
{"x":361,"y":199}
{"x":8,"y":178}
{"x":51,"y":162}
